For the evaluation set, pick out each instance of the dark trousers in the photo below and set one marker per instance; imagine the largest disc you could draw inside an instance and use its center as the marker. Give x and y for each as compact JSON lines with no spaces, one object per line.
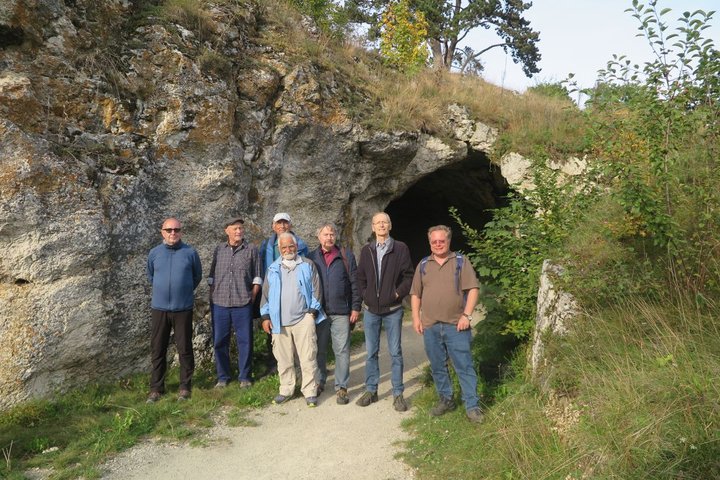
{"x":162,"y":324}
{"x":239,"y":319}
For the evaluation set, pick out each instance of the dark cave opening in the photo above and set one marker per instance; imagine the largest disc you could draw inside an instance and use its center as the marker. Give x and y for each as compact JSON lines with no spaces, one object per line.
{"x":473,"y":186}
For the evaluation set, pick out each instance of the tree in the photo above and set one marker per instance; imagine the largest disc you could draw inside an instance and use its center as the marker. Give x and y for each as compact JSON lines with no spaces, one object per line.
{"x":402,"y":37}
{"x":450,"y":21}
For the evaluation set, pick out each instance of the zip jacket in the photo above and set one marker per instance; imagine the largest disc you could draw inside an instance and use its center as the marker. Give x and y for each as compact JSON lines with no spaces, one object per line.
{"x":267,"y":250}
{"x":308,"y":284}
{"x":385,"y":294}
{"x":174,"y":271}
{"x":338,"y":280}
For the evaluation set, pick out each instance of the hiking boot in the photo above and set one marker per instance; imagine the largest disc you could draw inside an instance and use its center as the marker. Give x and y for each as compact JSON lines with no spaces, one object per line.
{"x":183,"y":395}
{"x":245,"y":384}
{"x":281,"y":399}
{"x":399,"y":404}
{"x":221,"y":384}
{"x":153,"y":397}
{"x":443,"y":406}
{"x":475,"y":415}
{"x":342,"y":397}
{"x":367,"y":398}
{"x":311,"y":402}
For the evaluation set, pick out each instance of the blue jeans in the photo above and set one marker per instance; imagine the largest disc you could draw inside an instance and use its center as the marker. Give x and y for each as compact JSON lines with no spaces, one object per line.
{"x":240,"y":319}
{"x":336,"y":327}
{"x":441,"y":340}
{"x":392,"y":322}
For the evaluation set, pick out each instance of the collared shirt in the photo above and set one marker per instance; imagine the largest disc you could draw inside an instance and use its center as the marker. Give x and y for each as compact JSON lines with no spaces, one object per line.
{"x":233,"y":273}
{"x":330,"y":255}
{"x":438,"y":291}
{"x":382,"y":249}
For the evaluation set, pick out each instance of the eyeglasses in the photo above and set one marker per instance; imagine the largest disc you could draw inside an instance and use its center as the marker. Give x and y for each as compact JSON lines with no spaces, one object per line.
{"x":169,"y":230}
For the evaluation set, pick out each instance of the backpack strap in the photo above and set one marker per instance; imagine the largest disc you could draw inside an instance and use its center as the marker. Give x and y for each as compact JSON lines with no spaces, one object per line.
{"x":423,"y":262}
{"x":458,"y":268}
{"x":343,"y":254}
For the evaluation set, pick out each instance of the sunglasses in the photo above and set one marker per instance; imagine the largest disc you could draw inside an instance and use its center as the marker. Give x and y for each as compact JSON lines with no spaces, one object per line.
{"x":169,"y":230}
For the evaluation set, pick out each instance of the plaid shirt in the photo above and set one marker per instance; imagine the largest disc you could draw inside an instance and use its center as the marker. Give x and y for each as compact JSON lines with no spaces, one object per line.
{"x":233,"y":274}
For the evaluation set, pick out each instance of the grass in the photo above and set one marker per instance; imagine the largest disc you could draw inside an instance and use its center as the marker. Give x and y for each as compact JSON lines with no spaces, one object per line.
{"x":71,"y":434}
{"x":380,"y":98}
{"x":636,"y":396}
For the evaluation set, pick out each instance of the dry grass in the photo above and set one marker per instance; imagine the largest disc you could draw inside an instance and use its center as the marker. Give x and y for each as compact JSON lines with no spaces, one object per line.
{"x":381,"y":98}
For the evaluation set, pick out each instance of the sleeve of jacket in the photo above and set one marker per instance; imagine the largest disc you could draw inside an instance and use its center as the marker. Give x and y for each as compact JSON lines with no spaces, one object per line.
{"x":197,"y":269}
{"x":317,"y":287}
{"x":361,"y":273}
{"x":356,"y":302}
{"x":264,"y":302}
{"x":406,"y":272}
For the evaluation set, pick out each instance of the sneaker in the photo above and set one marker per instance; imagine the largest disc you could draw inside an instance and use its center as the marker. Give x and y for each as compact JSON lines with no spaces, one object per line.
{"x":443,"y":406}
{"x":183,"y":395}
{"x":245,"y":384}
{"x":341,"y":397}
{"x":221,"y":384}
{"x":320,"y":388}
{"x":311,"y":402}
{"x":280,"y":399}
{"x":399,"y":404}
{"x":367,"y":398}
{"x":475,"y":415}
{"x":153,"y":397}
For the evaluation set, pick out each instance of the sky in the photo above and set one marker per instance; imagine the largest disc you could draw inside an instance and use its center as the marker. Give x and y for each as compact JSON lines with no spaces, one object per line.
{"x":580,"y":37}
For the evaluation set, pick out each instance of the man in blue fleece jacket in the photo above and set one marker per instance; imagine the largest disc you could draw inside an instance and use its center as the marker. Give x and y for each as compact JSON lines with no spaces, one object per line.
{"x":174,"y":271}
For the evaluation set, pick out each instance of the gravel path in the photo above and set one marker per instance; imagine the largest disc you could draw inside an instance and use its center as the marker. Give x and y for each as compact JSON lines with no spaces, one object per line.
{"x":292,"y":441}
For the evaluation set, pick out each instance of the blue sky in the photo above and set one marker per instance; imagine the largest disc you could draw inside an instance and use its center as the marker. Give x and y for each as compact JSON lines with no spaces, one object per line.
{"x":580,"y":36}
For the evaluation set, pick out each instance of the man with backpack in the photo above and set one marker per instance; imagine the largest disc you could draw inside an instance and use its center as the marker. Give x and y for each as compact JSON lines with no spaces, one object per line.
{"x":443,"y":295}
{"x":341,"y":303}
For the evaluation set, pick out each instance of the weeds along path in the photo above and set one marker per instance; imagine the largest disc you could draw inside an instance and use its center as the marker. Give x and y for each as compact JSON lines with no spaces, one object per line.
{"x":293,"y":441}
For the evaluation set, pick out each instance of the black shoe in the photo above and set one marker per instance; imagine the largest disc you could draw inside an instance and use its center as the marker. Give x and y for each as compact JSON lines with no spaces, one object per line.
{"x":443,"y":406}
{"x":367,"y":398}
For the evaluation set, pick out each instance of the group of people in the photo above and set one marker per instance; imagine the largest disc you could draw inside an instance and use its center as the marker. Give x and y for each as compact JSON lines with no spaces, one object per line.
{"x":310,"y":300}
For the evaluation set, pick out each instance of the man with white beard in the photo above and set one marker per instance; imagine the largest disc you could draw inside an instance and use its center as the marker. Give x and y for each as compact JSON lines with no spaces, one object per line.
{"x":290,"y":309}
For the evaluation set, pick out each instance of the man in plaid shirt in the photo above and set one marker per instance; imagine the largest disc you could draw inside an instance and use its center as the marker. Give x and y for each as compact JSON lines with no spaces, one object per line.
{"x":235,"y":279}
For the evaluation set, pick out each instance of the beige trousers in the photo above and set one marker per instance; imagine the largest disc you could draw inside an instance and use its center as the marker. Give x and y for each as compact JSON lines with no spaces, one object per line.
{"x":298,"y":338}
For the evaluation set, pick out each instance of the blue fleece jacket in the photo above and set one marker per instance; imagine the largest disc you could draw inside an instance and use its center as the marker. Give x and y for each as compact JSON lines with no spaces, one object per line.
{"x":174,"y":272}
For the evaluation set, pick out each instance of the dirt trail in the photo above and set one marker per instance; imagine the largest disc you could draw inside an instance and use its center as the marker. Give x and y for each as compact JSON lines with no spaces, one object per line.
{"x":292,"y":441}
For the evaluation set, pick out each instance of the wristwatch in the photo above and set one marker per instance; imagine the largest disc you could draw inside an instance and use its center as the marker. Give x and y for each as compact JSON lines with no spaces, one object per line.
{"x":469,"y":317}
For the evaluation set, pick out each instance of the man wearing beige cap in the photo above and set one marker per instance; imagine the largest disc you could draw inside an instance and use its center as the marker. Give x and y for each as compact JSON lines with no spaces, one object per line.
{"x":235,"y":279}
{"x":269,"y":252}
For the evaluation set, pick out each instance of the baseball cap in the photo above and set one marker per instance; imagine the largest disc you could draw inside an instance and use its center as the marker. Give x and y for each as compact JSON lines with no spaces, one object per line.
{"x":281,"y":216}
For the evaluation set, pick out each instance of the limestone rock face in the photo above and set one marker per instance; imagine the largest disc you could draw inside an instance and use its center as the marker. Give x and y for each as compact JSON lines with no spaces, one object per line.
{"x":108,"y":126}
{"x":554,"y":309}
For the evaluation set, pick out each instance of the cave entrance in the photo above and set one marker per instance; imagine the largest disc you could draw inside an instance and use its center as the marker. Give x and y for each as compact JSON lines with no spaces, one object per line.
{"x":472,"y":186}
